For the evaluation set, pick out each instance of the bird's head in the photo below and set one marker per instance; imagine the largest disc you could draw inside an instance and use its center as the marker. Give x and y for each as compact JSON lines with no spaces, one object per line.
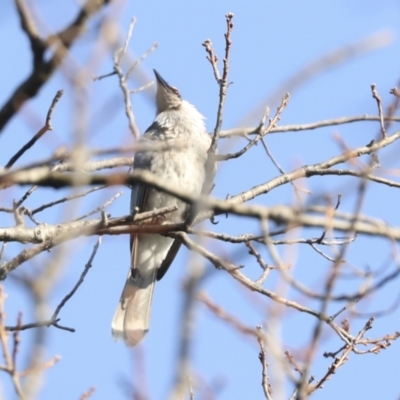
{"x":167,"y":97}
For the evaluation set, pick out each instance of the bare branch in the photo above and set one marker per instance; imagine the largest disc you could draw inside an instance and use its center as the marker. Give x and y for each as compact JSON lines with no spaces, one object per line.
{"x":342,"y":359}
{"x":87,"y":394}
{"x":234,"y":271}
{"x":123,"y":78}
{"x":395,"y":92}
{"x":43,"y":69}
{"x":224,"y":316}
{"x":66,"y":198}
{"x":223,"y":86}
{"x":54,"y":320}
{"x":47,"y":127}
{"x":263,"y":359}
{"x":260,"y":131}
{"x":376,"y":96}
{"x":245,"y":132}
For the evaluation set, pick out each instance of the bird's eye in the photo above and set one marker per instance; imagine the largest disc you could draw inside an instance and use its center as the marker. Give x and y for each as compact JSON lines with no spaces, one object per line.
{"x":176,"y":91}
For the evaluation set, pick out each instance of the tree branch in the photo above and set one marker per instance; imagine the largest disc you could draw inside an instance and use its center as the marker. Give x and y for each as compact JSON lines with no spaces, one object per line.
{"x":42,"y":69}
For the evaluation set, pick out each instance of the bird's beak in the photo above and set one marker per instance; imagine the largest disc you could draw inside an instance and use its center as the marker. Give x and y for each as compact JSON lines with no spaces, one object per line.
{"x":161,"y":80}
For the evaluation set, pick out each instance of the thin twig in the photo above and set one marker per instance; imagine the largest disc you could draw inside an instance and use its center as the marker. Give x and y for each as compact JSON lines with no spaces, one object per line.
{"x":46,"y":127}
{"x":122,"y":81}
{"x":395,"y":92}
{"x":376,"y":96}
{"x":48,"y":364}
{"x":9,"y":357}
{"x":265,"y":267}
{"x":101,"y":207}
{"x":260,"y":132}
{"x":66,"y":198}
{"x":223,"y":85}
{"x":245,"y":132}
{"x":234,"y":271}
{"x":293,"y":362}
{"x":87,"y":394}
{"x":123,"y":78}
{"x":263,"y":359}
{"x":53,"y":321}
{"x":224,"y":316}
{"x":338,"y":362}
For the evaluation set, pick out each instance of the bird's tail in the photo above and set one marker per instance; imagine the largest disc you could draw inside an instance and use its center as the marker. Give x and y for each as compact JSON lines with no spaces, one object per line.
{"x":132,"y":317}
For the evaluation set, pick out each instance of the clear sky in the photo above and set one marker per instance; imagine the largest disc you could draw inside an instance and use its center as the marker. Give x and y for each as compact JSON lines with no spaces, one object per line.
{"x":272,"y":40}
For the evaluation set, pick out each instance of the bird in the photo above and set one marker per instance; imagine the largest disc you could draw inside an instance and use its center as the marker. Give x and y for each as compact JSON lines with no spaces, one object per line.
{"x":177,"y":122}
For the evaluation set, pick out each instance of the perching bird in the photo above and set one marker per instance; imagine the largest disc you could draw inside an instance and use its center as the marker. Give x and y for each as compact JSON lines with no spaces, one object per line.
{"x":177,"y":122}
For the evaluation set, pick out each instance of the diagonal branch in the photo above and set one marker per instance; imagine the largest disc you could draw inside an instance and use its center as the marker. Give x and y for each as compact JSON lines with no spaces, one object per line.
{"x":46,"y":127}
{"x":42,"y":70}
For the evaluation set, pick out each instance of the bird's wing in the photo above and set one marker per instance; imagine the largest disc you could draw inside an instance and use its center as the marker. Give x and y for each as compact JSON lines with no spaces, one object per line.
{"x":152,"y":130}
{"x":132,"y":318}
{"x":173,"y":251}
{"x":138,"y":200}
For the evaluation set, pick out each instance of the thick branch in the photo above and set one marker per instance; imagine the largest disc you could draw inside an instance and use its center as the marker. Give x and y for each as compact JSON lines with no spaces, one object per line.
{"x":42,"y":69}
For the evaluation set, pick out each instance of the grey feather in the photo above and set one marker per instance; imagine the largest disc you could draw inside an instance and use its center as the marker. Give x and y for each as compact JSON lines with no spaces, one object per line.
{"x":177,"y":122}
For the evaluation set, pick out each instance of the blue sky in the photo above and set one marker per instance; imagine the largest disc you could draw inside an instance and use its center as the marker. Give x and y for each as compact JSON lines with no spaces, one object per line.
{"x":271,"y":42}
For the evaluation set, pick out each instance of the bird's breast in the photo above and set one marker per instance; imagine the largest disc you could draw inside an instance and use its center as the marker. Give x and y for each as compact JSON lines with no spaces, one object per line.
{"x":182,"y":169}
